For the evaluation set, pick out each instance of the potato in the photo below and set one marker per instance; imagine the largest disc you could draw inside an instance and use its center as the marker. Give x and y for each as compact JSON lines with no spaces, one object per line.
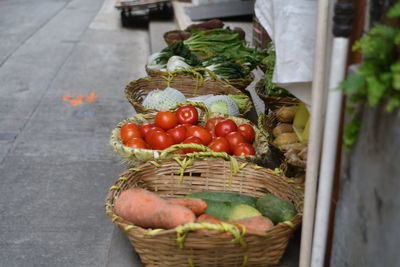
{"x":286,"y":114}
{"x":285,"y":139}
{"x":282,"y":128}
{"x":295,"y":146}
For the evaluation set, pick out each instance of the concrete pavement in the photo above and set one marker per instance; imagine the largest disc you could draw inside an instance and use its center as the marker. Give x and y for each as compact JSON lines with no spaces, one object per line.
{"x":56,"y":164}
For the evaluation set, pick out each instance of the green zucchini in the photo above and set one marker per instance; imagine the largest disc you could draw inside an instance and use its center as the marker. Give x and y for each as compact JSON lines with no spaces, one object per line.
{"x":225,"y":197}
{"x":278,"y":210}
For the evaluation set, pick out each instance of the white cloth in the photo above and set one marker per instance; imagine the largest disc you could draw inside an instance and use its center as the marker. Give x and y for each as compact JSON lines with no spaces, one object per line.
{"x":291,"y":24}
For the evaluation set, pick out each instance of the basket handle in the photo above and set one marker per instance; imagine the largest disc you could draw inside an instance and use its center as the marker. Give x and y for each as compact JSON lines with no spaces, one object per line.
{"x":205,"y":153}
{"x":260,"y":123}
{"x":168,"y":151}
{"x":195,"y":72}
{"x":199,"y":105}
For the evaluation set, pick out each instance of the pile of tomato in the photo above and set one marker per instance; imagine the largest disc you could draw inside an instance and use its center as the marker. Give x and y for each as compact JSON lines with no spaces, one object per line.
{"x":219,"y":134}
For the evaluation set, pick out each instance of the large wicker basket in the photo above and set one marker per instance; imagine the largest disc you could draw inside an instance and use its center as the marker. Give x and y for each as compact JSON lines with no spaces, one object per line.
{"x":190,"y":86}
{"x":274,"y":102}
{"x":133,"y":156}
{"x":239,"y":83}
{"x":184,"y":246}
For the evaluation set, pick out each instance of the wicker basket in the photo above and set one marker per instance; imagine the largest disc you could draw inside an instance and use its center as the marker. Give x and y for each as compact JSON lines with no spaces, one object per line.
{"x":190,"y":86}
{"x":239,"y":83}
{"x":266,"y":123}
{"x":133,"y":156}
{"x":274,"y":102}
{"x":170,"y":41}
{"x":184,"y":246}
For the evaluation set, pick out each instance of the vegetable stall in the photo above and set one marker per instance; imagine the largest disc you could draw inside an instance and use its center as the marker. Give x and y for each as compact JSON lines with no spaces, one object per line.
{"x":200,"y":175}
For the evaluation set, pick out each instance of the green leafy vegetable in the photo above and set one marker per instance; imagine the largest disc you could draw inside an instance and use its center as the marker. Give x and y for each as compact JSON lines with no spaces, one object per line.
{"x":177,"y":49}
{"x":378,"y":80}
{"x":241,"y":101}
{"x":225,"y":68}
{"x":227,"y":43}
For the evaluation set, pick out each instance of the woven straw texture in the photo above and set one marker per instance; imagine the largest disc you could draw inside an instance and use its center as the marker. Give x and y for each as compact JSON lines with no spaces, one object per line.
{"x":239,"y":83}
{"x":274,"y":102}
{"x":170,"y":41}
{"x":161,"y":248}
{"x":190,"y":86}
{"x":266,"y":123}
{"x":133,"y":156}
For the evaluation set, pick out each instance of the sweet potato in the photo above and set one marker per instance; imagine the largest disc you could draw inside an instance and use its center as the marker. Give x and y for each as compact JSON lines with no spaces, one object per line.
{"x":210,"y":219}
{"x":286,"y":114}
{"x":197,"y":205}
{"x":146,"y":209}
{"x":282,"y":128}
{"x":256,"y":225}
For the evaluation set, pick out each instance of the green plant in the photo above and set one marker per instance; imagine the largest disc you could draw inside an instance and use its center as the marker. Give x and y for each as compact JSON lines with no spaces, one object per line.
{"x":378,"y":79}
{"x":269,"y":62}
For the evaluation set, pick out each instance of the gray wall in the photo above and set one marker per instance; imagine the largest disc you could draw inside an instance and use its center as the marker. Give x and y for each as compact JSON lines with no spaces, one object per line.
{"x":367,"y":222}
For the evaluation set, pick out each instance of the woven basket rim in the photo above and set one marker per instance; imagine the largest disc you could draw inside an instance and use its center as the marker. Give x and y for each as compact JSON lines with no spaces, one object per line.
{"x":148,"y":81}
{"x":127,"y":152}
{"x":274,"y":102}
{"x":239,"y":83}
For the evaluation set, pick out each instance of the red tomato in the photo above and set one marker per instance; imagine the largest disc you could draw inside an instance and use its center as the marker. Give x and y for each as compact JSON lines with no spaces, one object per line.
{"x":137,"y":143}
{"x":128,"y":131}
{"x":244,"y":149}
{"x":247,"y":131}
{"x":187,"y":114}
{"x":220,"y":144}
{"x":178,"y":133}
{"x":160,"y":140}
{"x":166,"y":120}
{"x":187,"y":126}
{"x":200,"y":132}
{"x":150,"y":132}
{"x":213,"y":135}
{"x":224,"y":127}
{"x":191,"y":140}
{"x":145,"y":128}
{"x":211,"y":123}
{"x":234,"y":139}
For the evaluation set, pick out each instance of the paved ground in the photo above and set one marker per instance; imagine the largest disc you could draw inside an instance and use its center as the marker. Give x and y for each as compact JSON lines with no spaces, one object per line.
{"x":56,"y":164}
{"x":63,"y":67}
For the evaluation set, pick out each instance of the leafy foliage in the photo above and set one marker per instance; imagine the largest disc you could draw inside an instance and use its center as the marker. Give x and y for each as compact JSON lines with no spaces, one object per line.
{"x":177,"y":49}
{"x":225,"y":68}
{"x":269,"y":62}
{"x":378,"y":80}
{"x":227,"y":43}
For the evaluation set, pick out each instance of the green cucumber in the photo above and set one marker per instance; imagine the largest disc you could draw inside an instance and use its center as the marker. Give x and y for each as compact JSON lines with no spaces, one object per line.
{"x":225,"y":197}
{"x":219,"y":209}
{"x":230,"y":211}
{"x":278,"y":210}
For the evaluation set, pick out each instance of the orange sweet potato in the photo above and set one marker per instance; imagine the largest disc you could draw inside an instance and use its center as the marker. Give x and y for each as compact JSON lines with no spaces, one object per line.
{"x":197,"y":205}
{"x":256,"y":225}
{"x":210,"y":219}
{"x":146,"y":209}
